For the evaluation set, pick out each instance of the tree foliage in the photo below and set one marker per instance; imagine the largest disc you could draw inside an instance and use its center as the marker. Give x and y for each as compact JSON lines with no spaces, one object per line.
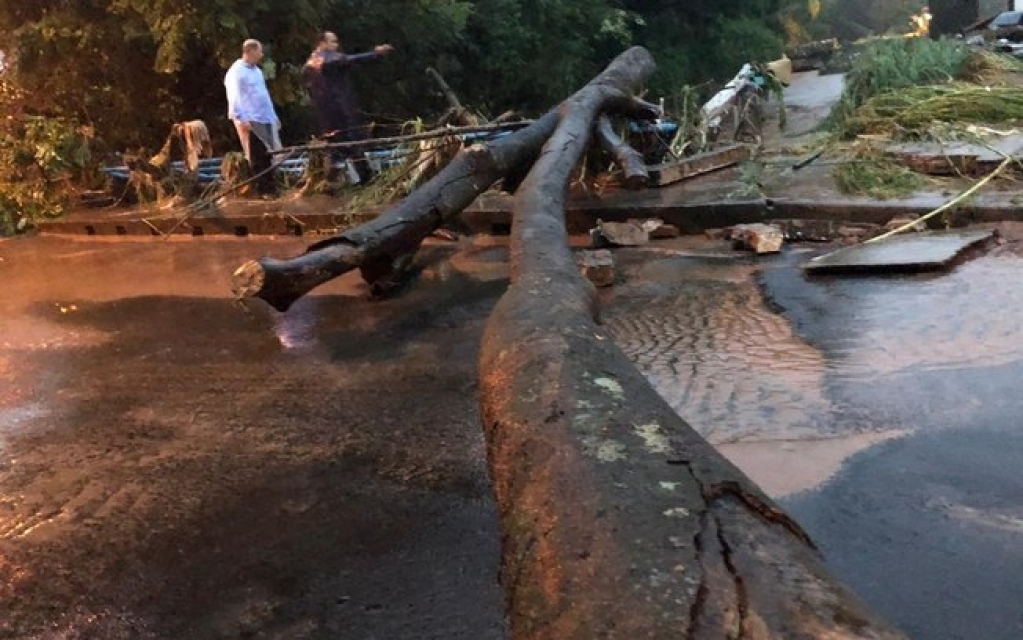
{"x":40,"y":158}
{"x":131,"y":68}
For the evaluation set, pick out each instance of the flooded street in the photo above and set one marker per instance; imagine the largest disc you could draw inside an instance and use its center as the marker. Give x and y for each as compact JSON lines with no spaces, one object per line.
{"x":884,"y":413}
{"x":174,"y":465}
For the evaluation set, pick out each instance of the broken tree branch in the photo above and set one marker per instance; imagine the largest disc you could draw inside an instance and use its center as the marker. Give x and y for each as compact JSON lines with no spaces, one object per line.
{"x":449,"y":94}
{"x":401,"y":228}
{"x":634,"y":172}
{"x":384,"y":143}
{"x":619,"y":520}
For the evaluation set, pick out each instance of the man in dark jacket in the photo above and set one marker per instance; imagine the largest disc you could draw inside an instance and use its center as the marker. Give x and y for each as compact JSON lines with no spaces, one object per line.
{"x":327,"y":76}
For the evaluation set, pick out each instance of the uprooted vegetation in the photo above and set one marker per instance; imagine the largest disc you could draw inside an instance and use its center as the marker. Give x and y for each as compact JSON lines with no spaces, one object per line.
{"x":919,"y":90}
{"x":900,"y":86}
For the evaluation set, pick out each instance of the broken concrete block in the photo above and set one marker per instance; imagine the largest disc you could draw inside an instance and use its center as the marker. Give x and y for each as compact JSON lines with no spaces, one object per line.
{"x":657,"y":229}
{"x":904,"y":253}
{"x":761,"y":238}
{"x":623,"y":234}
{"x":598,"y":267}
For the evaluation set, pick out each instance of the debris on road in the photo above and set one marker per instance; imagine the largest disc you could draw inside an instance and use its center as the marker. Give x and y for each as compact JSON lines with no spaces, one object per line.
{"x":700,"y":164}
{"x":657,"y":228}
{"x":619,"y":234}
{"x":759,"y":238}
{"x":825,"y":230}
{"x":598,"y":267}
{"x":919,"y":252}
{"x":912,"y":223}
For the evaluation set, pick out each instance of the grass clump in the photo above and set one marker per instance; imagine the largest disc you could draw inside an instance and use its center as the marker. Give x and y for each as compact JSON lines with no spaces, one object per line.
{"x":876,"y":178}
{"x":913,"y":111}
{"x":890,"y":65}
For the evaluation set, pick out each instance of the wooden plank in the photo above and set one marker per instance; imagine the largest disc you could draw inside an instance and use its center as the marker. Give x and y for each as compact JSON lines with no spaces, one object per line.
{"x":677,"y":171}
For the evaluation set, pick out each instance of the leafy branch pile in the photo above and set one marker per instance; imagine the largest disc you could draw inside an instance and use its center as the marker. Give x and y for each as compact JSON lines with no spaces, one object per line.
{"x":913,"y":111}
{"x":40,"y":160}
{"x":902,"y":89}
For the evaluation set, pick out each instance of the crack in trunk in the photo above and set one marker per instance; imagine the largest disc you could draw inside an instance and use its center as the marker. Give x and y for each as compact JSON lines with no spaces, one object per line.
{"x":741,"y":596}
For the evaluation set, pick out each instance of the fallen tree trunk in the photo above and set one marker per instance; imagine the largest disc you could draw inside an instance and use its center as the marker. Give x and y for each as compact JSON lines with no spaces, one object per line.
{"x":619,"y":520}
{"x":634,"y":171}
{"x":377,"y":245}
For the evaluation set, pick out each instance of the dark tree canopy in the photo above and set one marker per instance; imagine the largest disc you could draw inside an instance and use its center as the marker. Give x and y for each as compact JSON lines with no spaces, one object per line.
{"x":130,"y":68}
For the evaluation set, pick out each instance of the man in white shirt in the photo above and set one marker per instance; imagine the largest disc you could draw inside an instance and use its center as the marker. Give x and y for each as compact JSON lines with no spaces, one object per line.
{"x":250,"y":108}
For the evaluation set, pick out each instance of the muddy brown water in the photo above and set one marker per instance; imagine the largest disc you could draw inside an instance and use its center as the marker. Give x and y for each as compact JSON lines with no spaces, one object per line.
{"x":175,"y":466}
{"x":882,"y":411}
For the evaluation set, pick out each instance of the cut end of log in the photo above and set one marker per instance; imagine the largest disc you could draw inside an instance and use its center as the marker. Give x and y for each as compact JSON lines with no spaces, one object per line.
{"x":248,"y":280}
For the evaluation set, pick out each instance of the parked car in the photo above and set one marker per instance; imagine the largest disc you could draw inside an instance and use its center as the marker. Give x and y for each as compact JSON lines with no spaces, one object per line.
{"x":1007,"y":25}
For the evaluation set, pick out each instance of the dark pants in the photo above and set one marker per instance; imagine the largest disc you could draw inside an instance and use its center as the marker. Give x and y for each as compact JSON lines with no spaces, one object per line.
{"x":357,"y":156}
{"x":266,"y":183}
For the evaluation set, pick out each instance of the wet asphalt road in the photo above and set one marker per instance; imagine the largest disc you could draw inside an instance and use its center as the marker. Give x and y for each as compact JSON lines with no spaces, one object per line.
{"x":927,"y":528}
{"x":174,"y":466}
{"x":791,"y":375}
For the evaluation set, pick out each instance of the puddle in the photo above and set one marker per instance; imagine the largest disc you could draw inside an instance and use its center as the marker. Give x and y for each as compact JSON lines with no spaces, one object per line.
{"x":732,"y":368}
{"x":786,"y":468}
{"x":790,"y":376}
{"x":965,"y":319}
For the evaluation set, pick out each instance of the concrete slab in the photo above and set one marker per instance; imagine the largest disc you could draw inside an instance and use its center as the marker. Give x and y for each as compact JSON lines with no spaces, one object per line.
{"x":986,"y":152}
{"x":916,"y":252}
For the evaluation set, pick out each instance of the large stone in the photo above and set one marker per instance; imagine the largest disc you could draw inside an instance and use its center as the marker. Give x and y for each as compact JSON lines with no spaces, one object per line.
{"x":761,"y":238}
{"x":598,"y":267}
{"x":621,"y":234}
{"x":657,"y":229}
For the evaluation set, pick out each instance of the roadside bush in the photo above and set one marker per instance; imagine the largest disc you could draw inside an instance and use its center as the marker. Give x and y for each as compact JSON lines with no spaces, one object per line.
{"x":40,"y":160}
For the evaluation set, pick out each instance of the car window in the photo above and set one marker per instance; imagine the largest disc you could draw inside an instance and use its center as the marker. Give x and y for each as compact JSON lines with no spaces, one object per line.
{"x":1008,"y":19}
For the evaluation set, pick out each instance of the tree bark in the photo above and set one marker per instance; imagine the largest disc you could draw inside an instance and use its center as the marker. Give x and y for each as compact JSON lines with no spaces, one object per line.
{"x":634,"y":172}
{"x":619,"y":520}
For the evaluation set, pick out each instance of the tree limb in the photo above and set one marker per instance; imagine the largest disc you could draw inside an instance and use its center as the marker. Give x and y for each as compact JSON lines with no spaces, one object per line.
{"x":634,"y":172}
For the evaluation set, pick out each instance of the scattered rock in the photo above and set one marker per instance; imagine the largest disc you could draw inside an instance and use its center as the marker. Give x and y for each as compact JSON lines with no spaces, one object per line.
{"x":761,"y":238}
{"x":598,"y":267}
{"x":665,"y":231}
{"x":657,"y":229}
{"x":619,"y":234}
